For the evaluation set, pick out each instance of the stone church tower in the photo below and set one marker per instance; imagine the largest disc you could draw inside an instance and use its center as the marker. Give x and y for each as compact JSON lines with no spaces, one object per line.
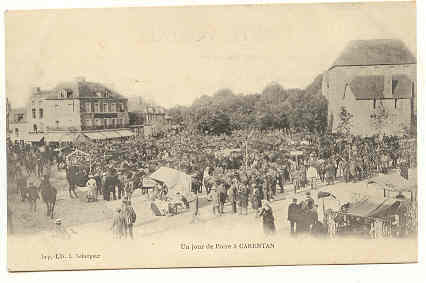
{"x":375,"y":80}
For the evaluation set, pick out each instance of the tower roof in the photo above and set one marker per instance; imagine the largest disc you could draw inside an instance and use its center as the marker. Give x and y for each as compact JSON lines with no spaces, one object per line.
{"x":375,"y":52}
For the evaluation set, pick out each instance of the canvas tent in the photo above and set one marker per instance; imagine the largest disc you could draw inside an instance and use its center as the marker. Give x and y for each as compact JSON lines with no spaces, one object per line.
{"x":175,"y":180}
{"x":396,"y":182}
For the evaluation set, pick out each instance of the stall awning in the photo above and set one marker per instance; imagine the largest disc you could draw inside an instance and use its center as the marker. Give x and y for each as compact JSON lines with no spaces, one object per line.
{"x":363,"y":208}
{"x":125,"y":133}
{"x":395,"y":182}
{"x":175,"y":180}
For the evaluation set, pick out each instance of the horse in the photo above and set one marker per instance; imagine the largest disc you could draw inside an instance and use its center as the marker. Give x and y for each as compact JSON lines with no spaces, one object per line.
{"x":48,"y":194}
{"x":32,"y":195}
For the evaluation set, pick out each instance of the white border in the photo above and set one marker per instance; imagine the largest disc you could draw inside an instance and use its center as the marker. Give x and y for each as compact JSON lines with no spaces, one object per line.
{"x":343,"y":273}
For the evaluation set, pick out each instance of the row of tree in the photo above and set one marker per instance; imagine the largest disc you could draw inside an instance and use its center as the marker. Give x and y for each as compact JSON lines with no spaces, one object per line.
{"x":274,"y":108}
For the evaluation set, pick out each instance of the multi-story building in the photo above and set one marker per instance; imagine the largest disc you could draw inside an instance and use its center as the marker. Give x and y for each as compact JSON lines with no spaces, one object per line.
{"x":375,"y":80}
{"x":146,"y":119}
{"x":18,"y":126}
{"x":77,"y":107}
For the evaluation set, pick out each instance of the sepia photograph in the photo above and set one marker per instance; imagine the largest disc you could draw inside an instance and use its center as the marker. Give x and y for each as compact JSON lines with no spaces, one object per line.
{"x":211,"y":136}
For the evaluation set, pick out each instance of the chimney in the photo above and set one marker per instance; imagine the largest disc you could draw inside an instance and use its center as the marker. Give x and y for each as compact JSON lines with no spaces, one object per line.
{"x":80,"y":79}
{"x":36,"y":90}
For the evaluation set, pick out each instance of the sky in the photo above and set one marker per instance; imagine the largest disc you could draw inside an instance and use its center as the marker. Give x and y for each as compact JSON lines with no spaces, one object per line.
{"x":173,"y":55}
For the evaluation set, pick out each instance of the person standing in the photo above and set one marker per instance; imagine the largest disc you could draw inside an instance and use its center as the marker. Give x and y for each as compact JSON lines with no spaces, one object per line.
{"x":92,"y":193}
{"x":292,"y":216}
{"x":117,"y":224}
{"x":234,"y":195}
{"x":121,"y":181}
{"x":196,"y":217}
{"x":98,"y":178}
{"x":312,"y":175}
{"x":222,"y":196}
{"x":72,"y":176}
{"x":215,"y":199}
{"x":129,"y":215}
{"x":243,"y":199}
{"x":105,"y":191}
{"x":267,"y":218}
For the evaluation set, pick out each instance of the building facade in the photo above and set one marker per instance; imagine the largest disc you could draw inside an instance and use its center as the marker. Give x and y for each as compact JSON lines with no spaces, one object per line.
{"x":78,"y":106}
{"x":375,"y":80}
{"x":146,"y":119}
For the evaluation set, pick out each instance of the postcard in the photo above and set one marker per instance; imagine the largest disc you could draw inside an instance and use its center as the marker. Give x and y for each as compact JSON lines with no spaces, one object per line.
{"x":205,"y":136}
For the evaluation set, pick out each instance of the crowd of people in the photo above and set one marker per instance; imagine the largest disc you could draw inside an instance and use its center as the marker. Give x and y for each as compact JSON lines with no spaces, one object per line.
{"x":247,"y":169}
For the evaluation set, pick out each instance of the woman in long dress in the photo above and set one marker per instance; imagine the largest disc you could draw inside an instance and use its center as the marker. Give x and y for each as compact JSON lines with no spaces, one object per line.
{"x":267,"y":218}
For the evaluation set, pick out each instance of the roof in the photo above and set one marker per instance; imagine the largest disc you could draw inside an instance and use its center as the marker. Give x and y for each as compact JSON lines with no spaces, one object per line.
{"x":82,"y":89}
{"x":375,"y":52}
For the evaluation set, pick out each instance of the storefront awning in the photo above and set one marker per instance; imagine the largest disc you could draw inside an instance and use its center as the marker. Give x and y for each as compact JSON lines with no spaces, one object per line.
{"x":60,"y":137}
{"x":32,"y":137}
{"x":111,"y":135}
{"x":95,"y":136}
{"x":125,"y":133}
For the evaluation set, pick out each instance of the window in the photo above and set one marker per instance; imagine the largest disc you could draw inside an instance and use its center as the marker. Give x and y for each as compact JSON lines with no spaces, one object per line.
{"x":105,"y":107}
{"x":394,"y":85}
{"x":88,"y":122}
{"x":19,"y":117}
{"x":62,"y":93}
{"x":396,"y":100}
{"x":69,"y":94}
{"x":35,"y":128}
{"x":113,"y":107}
{"x":17,"y":132}
{"x":344,"y":93}
{"x":96,"y":110}
{"x":57,"y":124}
{"x":34,"y":113}
{"x":88,"y":107}
{"x":40,"y":113}
{"x":374,"y":103}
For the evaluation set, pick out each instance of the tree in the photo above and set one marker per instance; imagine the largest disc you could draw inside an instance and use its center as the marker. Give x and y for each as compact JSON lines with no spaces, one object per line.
{"x":266,"y":121}
{"x":282,"y":122}
{"x":214,"y":123}
{"x":345,"y":122}
{"x":379,"y":117}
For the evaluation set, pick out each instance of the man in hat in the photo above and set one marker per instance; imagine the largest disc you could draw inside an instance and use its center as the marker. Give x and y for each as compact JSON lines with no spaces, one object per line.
{"x":292,"y":215}
{"x":309,"y":201}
